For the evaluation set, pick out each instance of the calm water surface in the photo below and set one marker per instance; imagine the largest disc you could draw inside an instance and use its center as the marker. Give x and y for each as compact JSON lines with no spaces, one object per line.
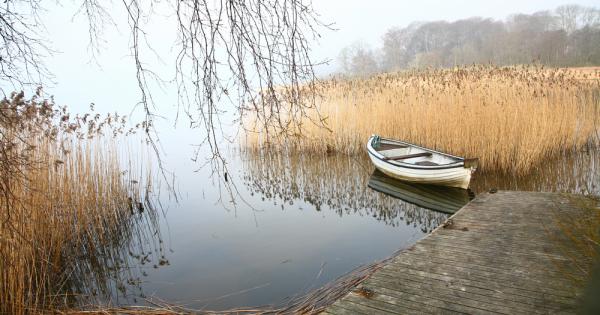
{"x":299,"y":222}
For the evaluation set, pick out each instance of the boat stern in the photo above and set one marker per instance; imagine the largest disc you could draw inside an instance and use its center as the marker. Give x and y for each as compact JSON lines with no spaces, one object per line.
{"x":466,"y":180}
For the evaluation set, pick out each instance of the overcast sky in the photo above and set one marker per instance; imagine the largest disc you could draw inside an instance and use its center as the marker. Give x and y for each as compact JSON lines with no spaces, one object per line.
{"x":110,"y":82}
{"x":367,"y":21}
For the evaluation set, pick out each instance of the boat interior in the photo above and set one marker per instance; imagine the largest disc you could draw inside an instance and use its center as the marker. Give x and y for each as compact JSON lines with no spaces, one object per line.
{"x":398,"y":153}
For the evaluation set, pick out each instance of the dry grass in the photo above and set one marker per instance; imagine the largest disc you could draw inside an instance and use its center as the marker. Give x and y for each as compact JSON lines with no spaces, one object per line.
{"x":67,"y":210}
{"x":511,"y":118}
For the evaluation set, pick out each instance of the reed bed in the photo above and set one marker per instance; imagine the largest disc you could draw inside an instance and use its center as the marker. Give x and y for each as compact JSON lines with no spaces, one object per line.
{"x":511,"y":118}
{"x":70,"y":216}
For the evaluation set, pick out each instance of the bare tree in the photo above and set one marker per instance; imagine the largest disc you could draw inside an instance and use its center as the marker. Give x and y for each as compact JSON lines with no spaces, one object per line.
{"x":574,"y":17}
{"x":358,"y":59}
{"x":395,"y":47}
{"x":22,"y":50}
{"x":590,"y":17}
{"x":567,"y":36}
{"x":237,"y":52}
{"x":228,"y":53}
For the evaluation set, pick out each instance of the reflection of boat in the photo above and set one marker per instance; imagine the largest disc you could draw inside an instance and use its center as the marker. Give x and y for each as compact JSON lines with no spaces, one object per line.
{"x":412,"y":163}
{"x":437,"y":198}
{"x":329,"y":183}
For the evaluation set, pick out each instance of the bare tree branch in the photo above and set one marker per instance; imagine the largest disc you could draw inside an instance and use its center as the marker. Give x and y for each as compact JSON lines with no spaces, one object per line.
{"x":251,"y":57}
{"x":22,"y":50}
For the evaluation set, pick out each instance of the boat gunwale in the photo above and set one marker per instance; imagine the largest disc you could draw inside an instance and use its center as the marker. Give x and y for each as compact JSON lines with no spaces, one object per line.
{"x":379,"y":156}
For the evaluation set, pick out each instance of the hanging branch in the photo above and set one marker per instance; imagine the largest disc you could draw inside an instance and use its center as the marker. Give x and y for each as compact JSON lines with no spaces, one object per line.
{"x":22,"y":51}
{"x":253,"y":56}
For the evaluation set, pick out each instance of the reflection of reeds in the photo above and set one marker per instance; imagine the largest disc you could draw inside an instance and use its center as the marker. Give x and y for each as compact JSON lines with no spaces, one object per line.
{"x":311,"y":302}
{"x":334,"y":182}
{"x":69,"y":216}
{"x":340,"y":182}
{"x":572,"y":172}
{"x":511,"y":118}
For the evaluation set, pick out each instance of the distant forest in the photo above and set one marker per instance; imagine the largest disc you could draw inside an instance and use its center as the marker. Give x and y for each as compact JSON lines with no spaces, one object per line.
{"x":566,"y":36}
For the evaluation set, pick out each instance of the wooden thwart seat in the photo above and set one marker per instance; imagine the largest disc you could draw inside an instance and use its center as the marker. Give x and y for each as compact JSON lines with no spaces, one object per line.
{"x":407,"y":156}
{"x":426,"y":163}
{"x":389,"y":146}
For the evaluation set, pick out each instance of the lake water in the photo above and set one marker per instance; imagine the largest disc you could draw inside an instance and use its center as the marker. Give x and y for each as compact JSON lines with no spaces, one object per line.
{"x":298,"y":222}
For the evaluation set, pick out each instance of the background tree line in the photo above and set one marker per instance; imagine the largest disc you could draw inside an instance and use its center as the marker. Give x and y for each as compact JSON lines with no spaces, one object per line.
{"x":566,"y":36}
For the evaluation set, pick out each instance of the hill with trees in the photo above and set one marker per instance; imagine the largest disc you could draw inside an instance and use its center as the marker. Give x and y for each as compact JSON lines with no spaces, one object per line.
{"x":566,"y":36}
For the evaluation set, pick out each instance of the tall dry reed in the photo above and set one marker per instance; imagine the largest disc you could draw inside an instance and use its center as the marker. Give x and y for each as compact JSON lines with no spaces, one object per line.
{"x":511,"y":118}
{"x":67,"y":209}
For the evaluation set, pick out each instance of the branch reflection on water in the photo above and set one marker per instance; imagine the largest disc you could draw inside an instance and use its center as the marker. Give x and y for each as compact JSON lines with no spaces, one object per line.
{"x":341,"y":184}
{"x":335,"y":183}
{"x":114,"y":268}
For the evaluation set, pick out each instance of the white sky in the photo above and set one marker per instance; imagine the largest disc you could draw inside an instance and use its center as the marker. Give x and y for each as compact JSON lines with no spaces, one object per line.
{"x":367,"y":21}
{"x":110,"y":83}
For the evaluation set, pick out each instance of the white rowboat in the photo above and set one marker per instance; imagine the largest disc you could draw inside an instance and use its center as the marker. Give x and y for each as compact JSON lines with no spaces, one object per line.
{"x":412,"y":163}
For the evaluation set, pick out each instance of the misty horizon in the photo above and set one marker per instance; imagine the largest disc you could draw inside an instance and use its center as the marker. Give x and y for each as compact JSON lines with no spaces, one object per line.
{"x":568,"y":35}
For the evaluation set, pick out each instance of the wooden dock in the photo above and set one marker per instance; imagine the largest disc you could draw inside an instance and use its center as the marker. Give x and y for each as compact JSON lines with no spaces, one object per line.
{"x":499,"y":254}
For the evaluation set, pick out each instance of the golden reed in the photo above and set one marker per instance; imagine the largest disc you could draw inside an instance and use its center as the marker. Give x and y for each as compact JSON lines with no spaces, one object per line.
{"x":511,"y":118}
{"x":64,"y":204}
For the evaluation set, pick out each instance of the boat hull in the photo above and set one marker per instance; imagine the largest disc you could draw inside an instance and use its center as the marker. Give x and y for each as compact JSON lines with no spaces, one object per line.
{"x":453,"y":177}
{"x":456,"y":175}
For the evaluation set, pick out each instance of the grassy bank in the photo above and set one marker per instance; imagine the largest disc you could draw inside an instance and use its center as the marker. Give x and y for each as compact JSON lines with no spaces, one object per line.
{"x":511,"y":118}
{"x":68,"y":211}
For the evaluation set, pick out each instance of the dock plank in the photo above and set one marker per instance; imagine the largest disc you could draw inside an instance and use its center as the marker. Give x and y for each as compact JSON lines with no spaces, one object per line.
{"x":499,"y":254}
{"x":510,"y":297}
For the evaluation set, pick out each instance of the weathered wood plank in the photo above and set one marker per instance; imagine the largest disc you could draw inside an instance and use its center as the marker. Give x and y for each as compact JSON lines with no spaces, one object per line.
{"x":389,"y":146}
{"x":548,"y":287}
{"x":336,"y":309}
{"x":502,"y":254}
{"x":539,"y":303}
{"x":556,"y":285}
{"x":407,"y":156}
{"x":494,"y":286}
{"x":493,"y":251}
{"x":430,"y":300}
{"x":472,"y":297}
{"x":407,"y":304}
{"x":346,"y":306}
{"x":489,"y":264}
{"x":449,"y":296}
{"x":384,"y":302}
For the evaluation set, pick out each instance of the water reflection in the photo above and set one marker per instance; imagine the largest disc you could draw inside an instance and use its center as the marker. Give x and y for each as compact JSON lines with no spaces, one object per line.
{"x":341,"y":183}
{"x":576,"y":172}
{"x":111,"y":267}
{"x":437,"y":198}
{"x":337,"y":182}
{"x":306,"y":220}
